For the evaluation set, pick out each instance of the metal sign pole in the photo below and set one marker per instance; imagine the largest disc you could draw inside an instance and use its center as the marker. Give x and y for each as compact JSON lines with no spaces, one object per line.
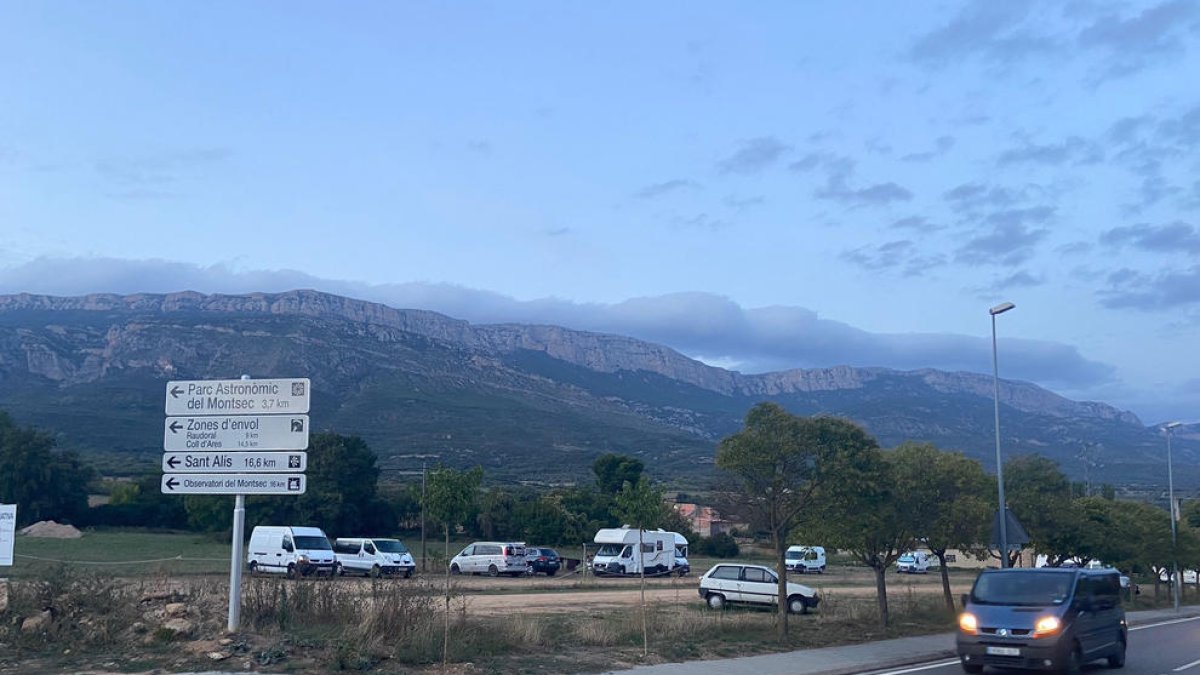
{"x":235,"y":562}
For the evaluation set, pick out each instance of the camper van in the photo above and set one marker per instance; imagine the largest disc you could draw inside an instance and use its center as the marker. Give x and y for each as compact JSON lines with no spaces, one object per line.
{"x":681,"y":564}
{"x":620,"y":554}
{"x":805,"y":559}
{"x":294,"y":551}
{"x":914,"y":562}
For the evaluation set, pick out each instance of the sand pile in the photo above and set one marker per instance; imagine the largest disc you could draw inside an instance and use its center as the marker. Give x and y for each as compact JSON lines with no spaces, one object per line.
{"x":48,"y":529}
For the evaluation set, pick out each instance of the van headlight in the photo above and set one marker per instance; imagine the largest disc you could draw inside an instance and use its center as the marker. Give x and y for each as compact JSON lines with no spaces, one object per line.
{"x":302,"y":558}
{"x":968,"y":624}
{"x":1046,"y":626}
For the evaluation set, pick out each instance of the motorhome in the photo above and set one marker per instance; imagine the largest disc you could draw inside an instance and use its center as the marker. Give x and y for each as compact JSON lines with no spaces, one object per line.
{"x":620,"y":553}
{"x":805,"y":559}
{"x":681,"y":564}
{"x":294,"y":551}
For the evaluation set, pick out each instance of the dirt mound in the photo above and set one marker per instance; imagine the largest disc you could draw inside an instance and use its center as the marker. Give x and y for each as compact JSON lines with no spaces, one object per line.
{"x":48,"y":529}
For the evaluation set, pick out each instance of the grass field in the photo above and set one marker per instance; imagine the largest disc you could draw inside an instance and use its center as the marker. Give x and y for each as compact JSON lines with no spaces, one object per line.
{"x":125,"y":553}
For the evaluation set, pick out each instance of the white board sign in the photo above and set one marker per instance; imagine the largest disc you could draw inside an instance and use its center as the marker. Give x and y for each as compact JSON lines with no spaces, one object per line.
{"x":234,"y":462}
{"x":238,"y":397}
{"x":233,"y":484}
{"x":236,"y":432}
{"x":8,"y":529}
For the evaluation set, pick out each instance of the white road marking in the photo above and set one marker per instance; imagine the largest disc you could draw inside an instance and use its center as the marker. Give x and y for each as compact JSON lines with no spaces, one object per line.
{"x":1189,"y":665}
{"x":1164,"y":623}
{"x":943,"y":664}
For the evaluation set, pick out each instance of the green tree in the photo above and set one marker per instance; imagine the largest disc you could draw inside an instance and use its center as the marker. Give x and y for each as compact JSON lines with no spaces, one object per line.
{"x":44,"y":483}
{"x":1189,"y":513}
{"x":640,"y":505}
{"x":777,"y":462}
{"x":613,"y":471}
{"x":450,"y":497}
{"x":1040,"y":496}
{"x":947,"y":497}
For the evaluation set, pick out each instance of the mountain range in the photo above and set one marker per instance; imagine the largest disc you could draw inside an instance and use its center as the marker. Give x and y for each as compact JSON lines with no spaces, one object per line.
{"x":530,"y":403}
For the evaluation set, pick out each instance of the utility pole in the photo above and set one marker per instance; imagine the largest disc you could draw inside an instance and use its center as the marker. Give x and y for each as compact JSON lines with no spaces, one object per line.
{"x":423,"y":557}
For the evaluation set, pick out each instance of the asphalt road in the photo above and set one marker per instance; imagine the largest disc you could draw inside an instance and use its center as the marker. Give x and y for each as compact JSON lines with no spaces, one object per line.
{"x":1168,"y":647}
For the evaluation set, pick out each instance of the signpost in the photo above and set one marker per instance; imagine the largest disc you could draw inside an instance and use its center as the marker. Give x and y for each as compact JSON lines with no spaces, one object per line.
{"x":215,"y":436}
{"x":236,"y":432}
{"x":233,"y":484}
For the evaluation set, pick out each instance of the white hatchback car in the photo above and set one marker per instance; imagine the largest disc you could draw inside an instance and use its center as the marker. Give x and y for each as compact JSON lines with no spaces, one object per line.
{"x":735,"y":582}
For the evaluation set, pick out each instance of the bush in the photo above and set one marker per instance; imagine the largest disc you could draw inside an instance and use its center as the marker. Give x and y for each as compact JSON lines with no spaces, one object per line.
{"x":717,"y":546}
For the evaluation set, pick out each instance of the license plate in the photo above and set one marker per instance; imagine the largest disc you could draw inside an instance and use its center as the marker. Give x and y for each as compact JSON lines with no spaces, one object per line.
{"x":1003,"y":651}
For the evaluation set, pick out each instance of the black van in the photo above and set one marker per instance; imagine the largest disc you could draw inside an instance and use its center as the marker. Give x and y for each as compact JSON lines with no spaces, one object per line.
{"x":1042,"y":618}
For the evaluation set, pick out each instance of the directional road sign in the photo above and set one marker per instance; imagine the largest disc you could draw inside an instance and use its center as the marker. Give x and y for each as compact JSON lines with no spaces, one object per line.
{"x":233,"y":484}
{"x":234,"y":462}
{"x":236,"y":432}
{"x":238,"y":397}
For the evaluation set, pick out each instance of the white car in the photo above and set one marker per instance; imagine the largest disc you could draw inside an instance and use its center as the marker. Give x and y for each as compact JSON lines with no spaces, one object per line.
{"x":755,"y":584}
{"x":492,"y":558}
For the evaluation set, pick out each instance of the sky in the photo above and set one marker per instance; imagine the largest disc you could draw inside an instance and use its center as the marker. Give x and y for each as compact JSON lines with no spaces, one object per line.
{"x":761,"y":186}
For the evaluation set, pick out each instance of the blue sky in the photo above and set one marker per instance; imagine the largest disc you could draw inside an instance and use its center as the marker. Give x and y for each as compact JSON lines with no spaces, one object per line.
{"x":762,"y":186}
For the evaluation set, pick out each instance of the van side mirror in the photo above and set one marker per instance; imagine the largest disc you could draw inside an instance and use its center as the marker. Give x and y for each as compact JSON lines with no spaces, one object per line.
{"x":965,"y":597}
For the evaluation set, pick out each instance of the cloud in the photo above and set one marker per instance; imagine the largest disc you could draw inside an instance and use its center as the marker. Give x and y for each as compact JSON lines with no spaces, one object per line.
{"x":1010,"y":241}
{"x":998,"y":32}
{"x":700,"y":221}
{"x":160,"y":168}
{"x":1135,"y":42}
{"x":754,"y":155}
{"x":839,"y":170}
{"x":901,"y":254}
{"x":1021,"y":279}
{"x":942,"y":145}
{"x":972,"y":196}
{"x":743,"y":203}
{"x":659,"y":189}
{"x":1170,"y":238}
{"x":757,"y":339}
{"x":1074,"y":150}
{"x":916,"y":224}
{"x":1165,"y":290}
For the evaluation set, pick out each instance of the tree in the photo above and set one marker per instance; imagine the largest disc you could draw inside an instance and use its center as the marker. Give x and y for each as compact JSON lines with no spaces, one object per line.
{"x":44,"y":483}
{"x":449,"y":499}
{"x":1040,"y":496}
{"x":641,"y":506}
{"x":947,"y":496}
{"x":1190,"y":513}
{"x":866,"y":510}
{"x":613,"y":471}
{"x":777,"y":462}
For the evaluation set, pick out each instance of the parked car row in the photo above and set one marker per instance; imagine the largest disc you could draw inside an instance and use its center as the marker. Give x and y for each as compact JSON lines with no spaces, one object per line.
{"x":306,"y":551}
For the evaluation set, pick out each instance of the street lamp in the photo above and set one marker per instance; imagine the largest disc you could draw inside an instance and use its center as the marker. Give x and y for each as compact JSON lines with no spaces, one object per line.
{"x":999,"y":309}
{"x":1171,"y":509}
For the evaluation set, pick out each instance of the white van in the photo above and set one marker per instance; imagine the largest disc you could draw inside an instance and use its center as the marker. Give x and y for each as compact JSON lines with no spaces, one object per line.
{"x":373,"y":556}
{"x":295,"y":551}
{"x":682,"y":566}
{"x":805,"y":559}
{"x":619,"y":553}
{"x":491,"y":557}
{"x":914,"y":562}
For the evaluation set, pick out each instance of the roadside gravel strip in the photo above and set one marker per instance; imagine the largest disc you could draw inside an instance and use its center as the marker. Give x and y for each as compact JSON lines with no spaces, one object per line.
{"x":871,"y":657}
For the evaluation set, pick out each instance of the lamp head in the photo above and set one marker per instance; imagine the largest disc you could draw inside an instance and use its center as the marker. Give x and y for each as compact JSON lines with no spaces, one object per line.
{"x":1171,"y":425}
{"x":1001,"y":308}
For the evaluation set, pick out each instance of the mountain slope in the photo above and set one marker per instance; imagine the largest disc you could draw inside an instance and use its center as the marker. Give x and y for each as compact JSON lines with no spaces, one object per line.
{"x":530,"y":403}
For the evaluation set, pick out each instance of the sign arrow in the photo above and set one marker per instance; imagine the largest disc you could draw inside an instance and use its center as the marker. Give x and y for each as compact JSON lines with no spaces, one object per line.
{"x":175,"y":392}
{"x":171,"y":483}
{"x":172,"y":461}
{"x":175,"y":427}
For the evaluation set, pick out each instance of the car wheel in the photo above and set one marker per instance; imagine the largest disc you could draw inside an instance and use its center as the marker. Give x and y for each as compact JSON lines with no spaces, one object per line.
{"x":797,"y":605}
{"x":551,"y":573}
{"x":972,"y":667}
{"x":291,"y":571}
{"x":1117,"y":660}
{"x":715,"y":601}
{"x":493,"y":571}
{"x":454,"y":569}
{"x":375,"y":572}
{"x":408,"y":574}
{"x":1074,"y":662}
{"x":253,"y":567}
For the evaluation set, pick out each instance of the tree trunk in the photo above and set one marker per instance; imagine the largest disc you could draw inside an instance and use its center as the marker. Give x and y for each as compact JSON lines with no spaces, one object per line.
{"x":645,"y":629}
{"x":941,"y":556}
{"x":781,"y":568}
{"x":881,"y":593}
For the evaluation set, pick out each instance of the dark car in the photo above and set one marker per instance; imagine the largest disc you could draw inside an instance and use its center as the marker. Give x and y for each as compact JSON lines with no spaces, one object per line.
{"x":1042,"y":618}
{"x":542,"y":560}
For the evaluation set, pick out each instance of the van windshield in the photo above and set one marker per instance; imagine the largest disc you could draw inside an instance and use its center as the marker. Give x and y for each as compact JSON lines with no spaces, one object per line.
{"x":907,"y":558}
{"x":1024,"y":588}
{"x":610,"y":550}
{"x":794,"y":555}
{"x":313,"y":544}
{"x":390,"y":546}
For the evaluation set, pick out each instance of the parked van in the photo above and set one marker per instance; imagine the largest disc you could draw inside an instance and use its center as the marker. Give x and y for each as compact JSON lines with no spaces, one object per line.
{"x":805,"y":559}
{"x":295,"y":551}
{"x":914,"y":562}
{"x":1042,"y":618}
{"x":619,"y":552}
{"x":681,"y":564}
{"x":492,"y":558}
{"x":373,"y":556}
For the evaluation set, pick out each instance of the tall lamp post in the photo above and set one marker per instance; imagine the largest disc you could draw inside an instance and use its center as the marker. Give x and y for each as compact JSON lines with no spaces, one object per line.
{"x":1175,"y":580}
{"x":999,"y":309}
